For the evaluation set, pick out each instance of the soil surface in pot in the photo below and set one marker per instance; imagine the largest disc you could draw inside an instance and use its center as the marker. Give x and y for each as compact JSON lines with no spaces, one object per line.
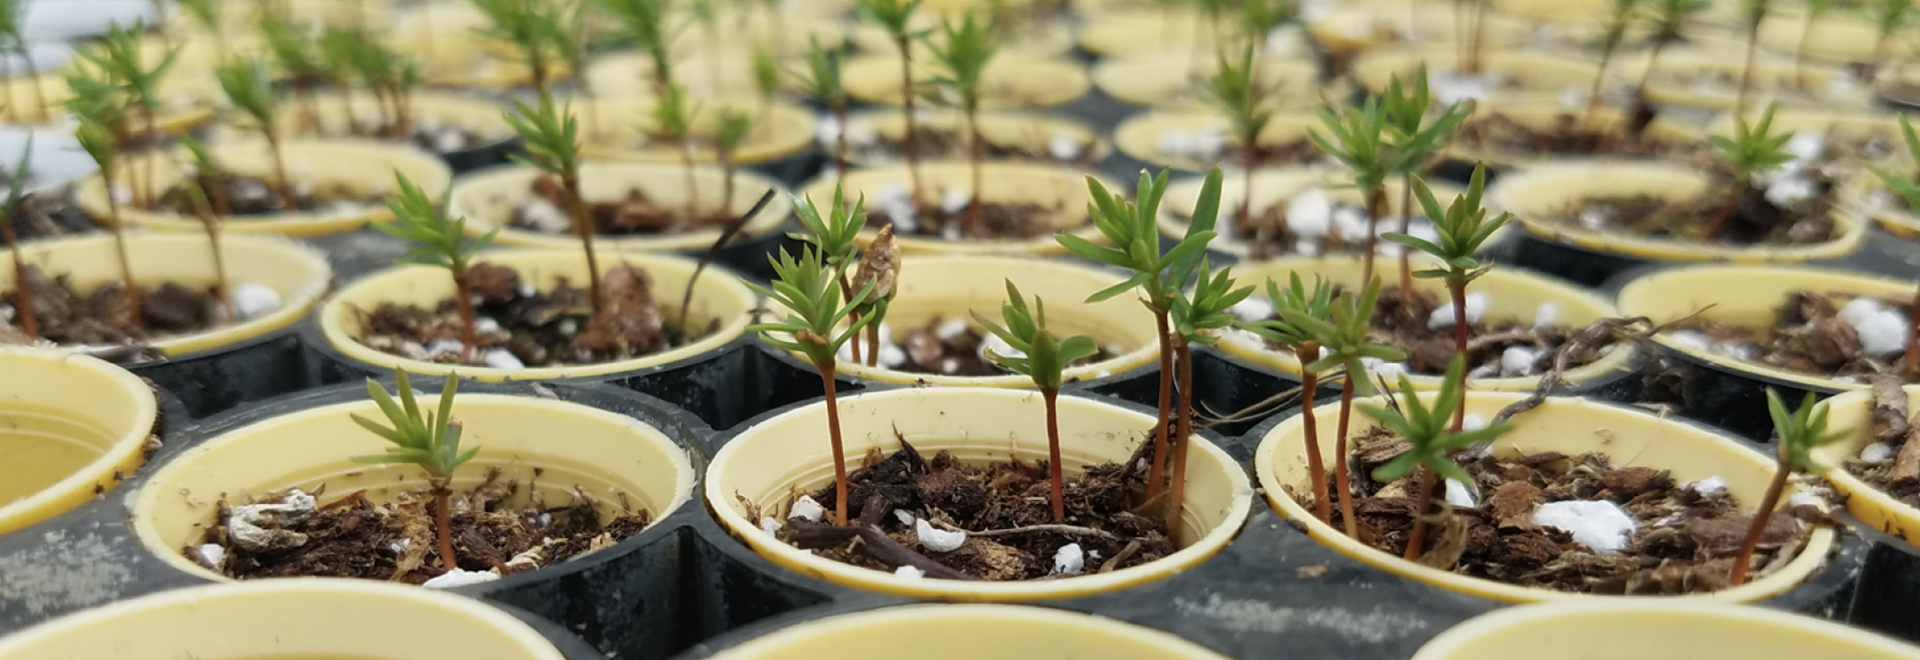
{"x":1213,"y":146}
{"x":1566,"y":137}
{"x":1005,"y":508}
{"x":1683,"y":538}
{"x":1752,"y":220}
{"x":939,"y":143}
{"x":1507,"y":348}
{"x":1312,"y":223}
{"x":1891,"y":463}
{"x":519,"y":326}
{"x":101,"y":317}
{"x":952,"y":220}
{"x":429,"y":135}
{"x":244,"y":195}
{"x":1814,"y":333}
{"x":636,"y":214}
{"x":290,"y":534}
{"x":952,"y":347}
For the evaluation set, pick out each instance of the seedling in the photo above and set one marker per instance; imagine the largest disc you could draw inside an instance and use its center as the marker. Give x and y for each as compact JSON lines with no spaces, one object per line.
{"x":1407,"y":125}
{"x":207,"y":14}
{"x":101,"y":111}
{"x":119,"y":55}
{"x":1801,"y":432}
{"x":434,"y":239}
{"x":811,"y":293}
{"x":766,"y":77}
{"x":1888,"y":16}
{"x":552,"y":140}
{"x":534,"y":29}
{"x":1259,"y":18}
{"x":430,"y":441}
{"x":1041,"y":357}
{"x":673,"y":122}
{"x":1306,"y":349}
{"x":1619,"y":17}
{"x":1755,"y":13}
{"x":297,"y":58}
{"x":250,"y":89}
{"x":1754,"y":148}
{"x":963,"y":52}
{"x":734,"y":127}
{"x":1909,"y":191}
{"x":1668,"y":19}
{"x":1430,"y":442}
{"x":390,"y":76}
{"x":1816,"y":9}
{"x":895,"y":16}
{"x":644,"y":23}
{"x":572,"y":42}
{"x":1362,"y":140}
{"x":832,"y":235}
{"x":1236,"y":92}
{"x":821,"y":81}
{"x":1197,"y":312}
{"x":22,"y":294}
{"x":1134,"y":244}
{"x":1343,"y":340}
{"x":13,"y":16}
{"x":210,"y":209}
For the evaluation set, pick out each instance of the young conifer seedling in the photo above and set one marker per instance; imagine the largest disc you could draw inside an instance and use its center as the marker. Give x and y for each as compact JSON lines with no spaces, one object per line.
{"x":1234,"y":90}
{"x":119,"y":55}
{"x":13,"y":39}
{"x":207,"y":14}
{"x":1888,"y":17}
{"x":1620,"y":15}
{"x":96,"y":135}
{"x":250,"y":89}
{"x":430,"y":441}
{"x":552,"y":140}
{"x":1411,"y":133}
{"x":1042,"y":357}
{"x":1816,"y":9}
{"x":1910,"y":192}
{"x":573,"y":42}
{"x":1754,"y":148}
{"x":1801,"y":432}
{"x":644,"y":22}
{"x":22,"y":294}
{"x":1667,"y":19}
{"x":896,"y":17}
{"x":1133,"y":239}
{"x":1306,"y":349}
{"x":673,"y":122}
{"x":810,"y":290}
{"x":534,"y":30}
{"x":1430,"y":442}
{"x":1754,"y":13}
{"x":298,"y":58}
{"x":766,"y":78}
{"x":734,"y":127}
{"x":209,"y":207}
{"x":434,"y":239}
{"x":1201,"y":305}
{"x":1360,"y":140}
{"x":963,"y":52}
{"x":1343,"y":338}
{"x":832,"y":235}
{"x":821,"y":81}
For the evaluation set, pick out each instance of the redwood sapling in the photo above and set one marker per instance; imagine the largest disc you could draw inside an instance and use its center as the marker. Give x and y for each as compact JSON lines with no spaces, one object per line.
{"x":896,"y":17}
{"x":209,"y":207}
{"x":430,"y":441}
{"x":434,"y":239}
{"x":673,"y":123}
{"x":1409,"y":130}
{"x":644,"y":24}
{"x":1343,"y":338}
{"x":1667,"y":20}
{"x":299,"y":59}
{"x":119,"y":55}
{"x":734,"y":127}
{"x":1430,"y":441}
{"x":101,"y":111}
{"x":1306,"y":349}
{"x":1801,"y":432}
{"x":1619,"y":17}
{"x":833,"y":235}
{"x":1201,"y":305}
{"x":1042,"y":357}
{"x":821,"y":81}
{"x":552,"y":139}
{"x":1753,"y":13}
{"x":1235,"y":91}
{"x":1753,"y":148}
{"x":963,"y":53}
{"x":250,"y":90}
{"x":534,"y":30}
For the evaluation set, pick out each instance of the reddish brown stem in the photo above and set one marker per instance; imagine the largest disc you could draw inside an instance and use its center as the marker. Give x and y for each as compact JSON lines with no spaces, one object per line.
{"x":1249,"y":156}
{"x":144,"y":198}
{"x":1416,"y":539}
{"x":873,"y":344}
{"x":1052,"y":399}
{"x":974,"y":155}
{"x":1376,"y":207}
{"x":1316,"y":467}
{"x":1459,"y":294}
{"x":284,"y":185}
{"x":1340,"y":478}
{"x":1719,"y":222}
{"x":584,"y":227}
{"x":1406,"y":223}
{"x":1158,"y":468}
{"x":1182,"y":432}
{"x":120,"y":249}
{"x":839,"y":454}
{"x":906,"y":108}
{"x":463,"y":293}
{"x":443,"y":525}
{"x":1759,"y":526}
{"x":22,"y":294}
{"x":839,"y":141}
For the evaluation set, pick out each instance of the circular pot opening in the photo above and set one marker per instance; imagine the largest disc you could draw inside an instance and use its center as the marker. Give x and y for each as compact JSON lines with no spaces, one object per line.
{"x":969,"y":631}
{"x":71,"y":427}
{"x":489,"y":199}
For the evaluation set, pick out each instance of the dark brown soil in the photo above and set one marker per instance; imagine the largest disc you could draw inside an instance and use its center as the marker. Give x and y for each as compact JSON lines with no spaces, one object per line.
{"x":246,"y":195}
{"x":1684,"y":541}
{"x":1898,"y":474}
{"x":1807,"y":336}
{"x":1402,"y":323}
{"x":637,"y":214}
{"x":354,"y":538}
{"x":540,"y":328}
{"x":1005,"y":506}
{"x":958,"y":354}
{"x":67,"y":316}
{"x":1755,"y":221}
{"x":936,"y":143}
{"x":1566,"y":137}
{"x":998,"y":221}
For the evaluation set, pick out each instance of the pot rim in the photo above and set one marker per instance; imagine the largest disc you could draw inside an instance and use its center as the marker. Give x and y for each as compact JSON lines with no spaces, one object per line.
{"x":1448,"y":644}
{"x":888,"y":123}
{"x":1870,"y":504}
{"x":118,"y":460}
{"x":499,"y":177}
{"x":1068,"y":623}
{"x":820,"y":190}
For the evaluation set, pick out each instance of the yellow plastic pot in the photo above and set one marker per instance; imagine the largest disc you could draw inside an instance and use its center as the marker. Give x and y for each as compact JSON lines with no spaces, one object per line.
{"x":1851,"y":413}
{"x":484,"y":118}
{"x":617,"y":130}
{"x":717,"y":296}
{"x":1532,"y":71}
{"x":71,"y":427}
{"x":1124,"y":31}
{"x":1773,"y":81}
{"x":453,"y":56}
{"x":1139,"y":136}
{"x":1002,"y":128}
{"x":729,"y":75}
{"x":1541,"y":114}
{"x":769,"y":461}
{"x":1171,"y":79}
{"x":1866,"y":194}
{"x":1651,"y":629}
{"x":545,"y":444}
{"x":1511,"y":294}
{"x":785,"y":36}
{"x":1274,"y":185}
{"x":1349,"y":28}
{"x":487,"y":199}
{"x":1534,"y":194}
{"x":1049,"y":186}
{"x":1571,"y":426}
{"x":1008,"y":82}
{"x":1052,"y":39}
{"x":1837,"y":38}
{"x":290,"y":618}
{"x":298,"y":273}
{"x":1749,"y":296}
{"x":949,"y":286}
{"x":364,"y":165}
{"x":968,"y":631}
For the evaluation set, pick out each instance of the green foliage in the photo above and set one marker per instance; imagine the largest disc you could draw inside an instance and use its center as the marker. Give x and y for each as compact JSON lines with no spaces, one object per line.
{"x":1753,"y":148}
{"x":1296,"y":297}
{"x":894,"y":16}
{"x":101,"y":108}
{"x":673,"y":114}
{"x":1620,"y":15}
{"x":1259,"y":17}
{"x":1669,"y":17}
{"x":1205,"y":307}
{"x":832,"y":234}
{"x":1426,"y":428}
{"x":430,"y":441}
{"x":354,"y":55}
{"x":249,"y":88}
{"x":1801,"y":431}
{"x":811,"y":293}
{"x":296,"y":54}
{"x":1405,"y":113}
{"x":644,"y":23}
{"x":822,"y":79}
{"x":734,"y":127}
{"x":552,"y":137}
{"x":536,"y":29}
{"x":1889,"y":15}
{"x":13,"y":18}
{"x":205,"y":12}
{"x":1043,"y":357}
{"x":433,"y":238}
{"x":963,"y":52}
{"x":1463,"y":228}
{"x":1900,"y":185}
{"x":17,"y":181}
{"x":1343,"y":333}
{"x":1237,"y":92}
{"x":1359,"y":140}
{"x":766,"y":73}
{"x":118,"y":54}
{"x":1134,"y":234}
{"x":1755,"y":11}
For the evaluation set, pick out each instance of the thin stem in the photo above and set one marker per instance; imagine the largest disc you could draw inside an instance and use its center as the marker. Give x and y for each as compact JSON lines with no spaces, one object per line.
{"x":873,"y":344}
{"x":906,"y":108}
{"x":1340,"y":477}
{"x":22,"y":294}
{"x":693,"y":188}
{"x":1183,"y":430}
{"x":1406,"y":223}
{"x":1162,"y":418}
{"x":33,"y":81}
{"x":584,"y":227}
{"x":1249,"y":157}
{"x":840,"y":143}
{"x":285,"y":184}
{"x":727,"y":169}
{"x":1600,"y":76}
{"x":145,"y":198}
{"x":1424,"y":503}
{"x":846,"y":293}
{"x":1376,"y":207}
{"x":1316,"y":467}
{"x":443,"y":524}
{"x":1458,"y":291}
{"x":839,"y":454}
{"x":974,"y":154}
{"x":463,"y":293}
{"x":120,"y":250}
{"x":1746,"y":70}
{"x":211,"y":224}
{"x":1759,"y":526}
{"x":1052,"y":398}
